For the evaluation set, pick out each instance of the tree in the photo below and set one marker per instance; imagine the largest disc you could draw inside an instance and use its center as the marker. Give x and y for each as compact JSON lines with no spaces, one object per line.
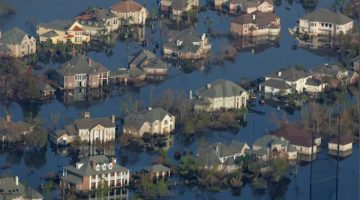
{"x":188,"y":166}
{"x":279,"y":168}
{"x":150,"y":190}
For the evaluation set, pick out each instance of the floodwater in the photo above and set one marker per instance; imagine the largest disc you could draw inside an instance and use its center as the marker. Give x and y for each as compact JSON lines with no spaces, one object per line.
{"x":30,"y":167}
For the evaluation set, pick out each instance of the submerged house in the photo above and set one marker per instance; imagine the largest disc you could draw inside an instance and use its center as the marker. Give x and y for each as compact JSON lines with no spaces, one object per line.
{"x":14,"y":131}
{"x":345,"y":143}
{"x":93,"y":172}
{"x":12,"y":189}
{"x":81,"y":72}
{"x":186,"y":45}
{"x":98,"y":21}
{"x":157,"y":171}
{"x":250,"y":6}
{"x":127,"y":76}
{"x":130,"y":12}
{"x":271,"y":146}
{"x":220,"y":94}
{"x":325,"y":22}
{"x":153,"y":121}
{"x":256,"y":24}
{"x":221,"y":156}
{"x":149,"y":63}
{"x":62,"y":31}
{"x":286,"y":81}
{"x":178,"y":7}
{"x":304,"y":142}
{"x":87,"y":129}
{"x":16,"y":43}
{"x":329,"y":72}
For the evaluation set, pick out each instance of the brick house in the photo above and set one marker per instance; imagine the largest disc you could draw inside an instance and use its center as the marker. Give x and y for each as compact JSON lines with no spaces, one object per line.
{"x":94,"y":173}
{"x":81,"y":72}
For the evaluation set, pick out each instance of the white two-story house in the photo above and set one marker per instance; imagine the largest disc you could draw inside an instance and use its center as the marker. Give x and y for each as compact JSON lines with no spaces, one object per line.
{"x":220,"y":94}
{"x":153,"y":121}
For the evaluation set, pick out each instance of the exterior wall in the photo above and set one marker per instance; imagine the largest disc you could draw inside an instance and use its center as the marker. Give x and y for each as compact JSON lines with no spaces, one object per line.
{"x":306,"y":150}
{"x":244,"y":29}
{"x":322,"y":28}
{"x":65,"y":140}
{"x":27,"y":47}
{"x":345,"y":147}
{"x":274,"y":91}
{"x":315,"y":89}
{"x":75,"y":37}
{"x":265,"y":7}
{"x":139,"y":18}
{"x":226,"y":102}
{"x":153,"y":71}
{"x":97,"y":133}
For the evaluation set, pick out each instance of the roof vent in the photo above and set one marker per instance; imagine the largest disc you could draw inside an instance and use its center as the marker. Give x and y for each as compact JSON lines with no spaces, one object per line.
{"x":279,"y":73}
{"x":208,"y":86}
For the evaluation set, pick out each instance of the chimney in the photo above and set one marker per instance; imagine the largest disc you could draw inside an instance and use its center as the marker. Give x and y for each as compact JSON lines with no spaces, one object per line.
{"x":190,"y":94}
{"x":113,"y":119}
{"x":113,"y":161}
{"x":208,"y":86}
{"x":17,"y":180}
{"x":254,"y":17}
{"x":0,"y":34}
{"x":7,"y":118}
{"x":87,"y":115}
{"x":90,"y":62}
{"x":279,"y":73}
{"x":150,"y":108}
{"x":93,"y":164}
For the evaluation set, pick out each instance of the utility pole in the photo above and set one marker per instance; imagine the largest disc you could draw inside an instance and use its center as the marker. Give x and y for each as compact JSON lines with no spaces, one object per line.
{"x":337,"y":158}
{"x":311,"y":162}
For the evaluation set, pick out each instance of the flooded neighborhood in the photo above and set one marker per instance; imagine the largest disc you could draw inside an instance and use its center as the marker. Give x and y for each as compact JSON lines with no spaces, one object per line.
{"x":179,"y":99}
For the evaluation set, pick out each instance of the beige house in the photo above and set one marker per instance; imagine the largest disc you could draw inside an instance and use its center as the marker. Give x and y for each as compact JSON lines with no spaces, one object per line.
{"x":62,"y":31}
{"x":286,"y":81}
{"x":87,"y":129}
{"x":16,"y":43}
{"x":250,"y":6}
{"x":300,"y":139}
{"x":186,"y":45}
{"x":221,"y":156}
{"x":154,"y":121}
{"x":220,"y":94}
{"x":178,"y":7}
{"x":256,"y":24}
{"x":345,"y":145}
{"x":98,"y":21}
{"x":271,"y":146}
{"x":130,"y":12}
{"x":313,"y":85}
{"x":81,"y":72}
{"x":325,"y":22}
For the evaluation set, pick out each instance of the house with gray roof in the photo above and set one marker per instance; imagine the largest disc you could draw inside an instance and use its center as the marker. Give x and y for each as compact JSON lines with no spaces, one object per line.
{"x":186,"y":44}
{"x":81,"y":72}
{"x":250,"y":6}
{"x":87,"y":129}
{"x":16,"y":43}
{"x":221,"y":156}
{"x":14,"y":131}
{"x":148,"y":62}
{"x":62,"y":31}
{"x":12,"y":189}
{"x":325,"y":22}
{"x":220,"y":94}
{"x":153,"y":121}
{"x":285,"y":81}
{"x":274,"y":147}
{"x":178,"y":7}
{"x":157,"y":171}
{"x":98,"y":21}
{"x":93,"y":172}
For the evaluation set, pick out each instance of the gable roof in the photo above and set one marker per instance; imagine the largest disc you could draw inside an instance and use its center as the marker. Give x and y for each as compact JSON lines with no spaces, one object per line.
{"x":343,"y":139}
{"x":127,"y":6}
{"x":57,"y":24}
{"x":279,"y":84}
{"x":157,"y":168}
{"x":289,"y":74}
{"x":137,"y":120}
{"x":146,"y":59}
{"x":88,"y":123}
{"x":9,"y":189}
{"x":13,"y":36}
{"x":325,"y":15}
{"x":187,"y":36}
{"x":261,"y":19}
{"x":81,"y":65}
{"x":295,"y":135}
{"x":86,"y":169}
{"x":329,"y":70}
{"x":220,"y":88}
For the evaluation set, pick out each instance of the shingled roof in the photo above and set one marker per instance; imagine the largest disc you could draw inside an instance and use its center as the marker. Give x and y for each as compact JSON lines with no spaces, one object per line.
{"x":261,"y":19}
{"x":295,"y":135}
{"x":146,"y":59}
{"x":127,"y":6}
{"x":88,"y":123}
{"x":11,"y":188}
{"x":289,"y":74}
{"x":220,"y":88}
{"x":279,"y":84}
{"x":13,"y":36}
{"x":325,"y":15}
{"x":82,"y":65}
{"x":137,"y":120}
{"x":58,"y":24}
{"x":87,"y":169}
{"x":329,"y":70}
